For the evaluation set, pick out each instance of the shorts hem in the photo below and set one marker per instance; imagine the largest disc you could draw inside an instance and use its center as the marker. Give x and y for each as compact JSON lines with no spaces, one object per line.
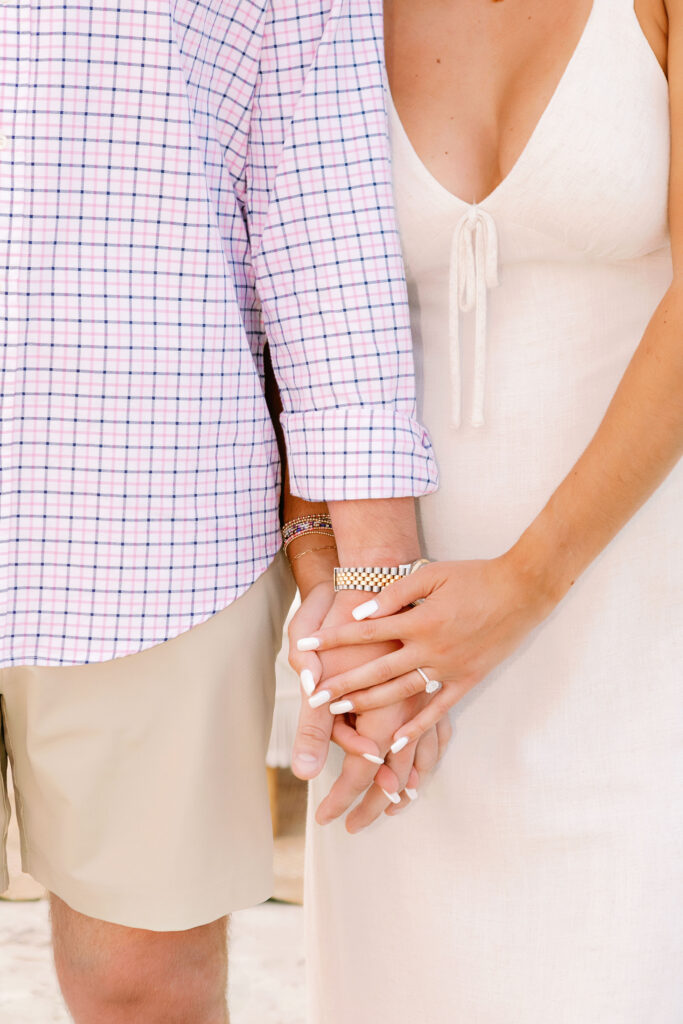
{"x":122,"y":909}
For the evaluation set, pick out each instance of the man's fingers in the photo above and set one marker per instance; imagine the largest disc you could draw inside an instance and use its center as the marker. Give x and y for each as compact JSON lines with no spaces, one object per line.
{"x":386,"y":795}
{"x":371,"y":807}
{"x":356,"y":775}
{"x":312,"y":742}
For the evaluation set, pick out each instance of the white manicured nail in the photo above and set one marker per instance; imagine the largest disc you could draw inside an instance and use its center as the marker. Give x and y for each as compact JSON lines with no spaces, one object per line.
{"x":412,"y":794}
{"x":307,"y":682}
{"x":373,"y":759}
{"x":398,"y":746}
{"x":363,"y":610}
{"x":432,"y":686}
{"x":318,"y":699}
{"x":394,"y":797}
{"x":308,"y":643}
{"x":340,"y":707}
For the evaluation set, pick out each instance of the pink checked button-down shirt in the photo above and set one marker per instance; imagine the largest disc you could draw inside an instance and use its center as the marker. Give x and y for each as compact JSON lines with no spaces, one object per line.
{"x":178,"y":180}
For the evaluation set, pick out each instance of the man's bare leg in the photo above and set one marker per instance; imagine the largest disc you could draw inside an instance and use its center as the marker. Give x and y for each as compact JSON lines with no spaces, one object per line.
{"x":110,"y":974}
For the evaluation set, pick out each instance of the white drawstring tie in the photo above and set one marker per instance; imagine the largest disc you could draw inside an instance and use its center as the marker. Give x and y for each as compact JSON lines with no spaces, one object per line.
{"x":473,"y":270}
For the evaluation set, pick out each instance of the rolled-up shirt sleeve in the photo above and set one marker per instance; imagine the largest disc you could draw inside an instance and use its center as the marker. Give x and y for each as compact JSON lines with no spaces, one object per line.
{"x":327,"y":257}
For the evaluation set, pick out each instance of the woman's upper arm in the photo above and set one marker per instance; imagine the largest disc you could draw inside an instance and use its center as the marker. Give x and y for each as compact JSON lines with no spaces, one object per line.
{"x":675,"y":75}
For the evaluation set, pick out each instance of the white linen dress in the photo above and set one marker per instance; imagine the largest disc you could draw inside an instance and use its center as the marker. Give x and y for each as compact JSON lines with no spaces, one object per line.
{"x":539,"y":877}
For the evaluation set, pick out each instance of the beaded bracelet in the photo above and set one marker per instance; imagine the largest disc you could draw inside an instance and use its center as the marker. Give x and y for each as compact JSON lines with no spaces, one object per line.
{"x":316,"y":523}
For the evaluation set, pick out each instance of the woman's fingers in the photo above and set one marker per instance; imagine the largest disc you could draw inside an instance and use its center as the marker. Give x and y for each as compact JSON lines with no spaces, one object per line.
{"x":388,"y":793}
{"x":351,"y":634}
{"x":380,"y":696}
{"x":352,"y":743}
{"x":309,"y":670}
{"x":371,"y":673}
{"x":444,"y":732}
{"x":397,"y":782}
{"x":409,"y":794}
{"x":401,"y":764}
{"x":356,"y":776}
{"x":427,"y":753}
{"x":307,"y":619}
{"x":402,"y":594}
{"x":429,"y":716}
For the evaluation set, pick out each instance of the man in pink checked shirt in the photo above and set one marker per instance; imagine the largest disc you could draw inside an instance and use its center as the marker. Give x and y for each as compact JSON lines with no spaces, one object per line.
{"x":177,"y":183}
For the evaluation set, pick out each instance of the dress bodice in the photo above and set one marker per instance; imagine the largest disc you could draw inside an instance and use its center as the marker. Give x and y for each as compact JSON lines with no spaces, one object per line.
{"x":591,"y":185}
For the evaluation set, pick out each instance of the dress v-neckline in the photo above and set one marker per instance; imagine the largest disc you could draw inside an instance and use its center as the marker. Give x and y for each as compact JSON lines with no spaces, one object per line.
{"x":514,"y":170}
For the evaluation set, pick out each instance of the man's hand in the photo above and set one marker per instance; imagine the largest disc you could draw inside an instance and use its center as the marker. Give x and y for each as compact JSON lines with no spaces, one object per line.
{"x":367,"y":532}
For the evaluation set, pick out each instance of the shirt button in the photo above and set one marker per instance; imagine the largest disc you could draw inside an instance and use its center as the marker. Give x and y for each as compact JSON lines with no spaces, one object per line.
{"x":4,"y":142}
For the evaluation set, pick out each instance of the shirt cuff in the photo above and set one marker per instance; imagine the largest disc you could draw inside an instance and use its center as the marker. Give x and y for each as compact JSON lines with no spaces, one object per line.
{"x":358,"y":452}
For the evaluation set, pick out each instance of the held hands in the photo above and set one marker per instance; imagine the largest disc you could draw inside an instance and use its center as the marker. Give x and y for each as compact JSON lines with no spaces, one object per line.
{"x":471,"y":616}
{"x":389,"y":784}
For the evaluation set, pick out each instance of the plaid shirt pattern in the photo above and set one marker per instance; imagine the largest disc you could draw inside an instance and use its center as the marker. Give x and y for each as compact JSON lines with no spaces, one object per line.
{"x":178,"y":181}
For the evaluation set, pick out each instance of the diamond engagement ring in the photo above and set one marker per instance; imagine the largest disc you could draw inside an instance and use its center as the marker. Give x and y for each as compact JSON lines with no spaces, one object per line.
{"x":431,"y":685}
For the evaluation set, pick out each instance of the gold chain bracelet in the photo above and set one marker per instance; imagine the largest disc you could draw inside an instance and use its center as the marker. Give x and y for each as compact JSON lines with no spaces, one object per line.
{"x":309,"y":551}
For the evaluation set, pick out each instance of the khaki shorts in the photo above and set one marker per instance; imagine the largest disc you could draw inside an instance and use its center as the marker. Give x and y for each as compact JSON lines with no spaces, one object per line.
{"x":140,"y":782}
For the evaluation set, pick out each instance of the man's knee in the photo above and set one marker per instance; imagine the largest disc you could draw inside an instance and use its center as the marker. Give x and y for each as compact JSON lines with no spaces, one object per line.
{"x":107,"y":972}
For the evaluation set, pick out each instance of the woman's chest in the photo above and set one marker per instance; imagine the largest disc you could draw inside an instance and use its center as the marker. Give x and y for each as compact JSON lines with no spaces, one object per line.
{"x":591,"y":180}
{"x":472,"y":81}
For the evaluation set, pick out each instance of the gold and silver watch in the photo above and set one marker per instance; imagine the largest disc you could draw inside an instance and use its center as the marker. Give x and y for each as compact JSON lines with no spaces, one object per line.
{"x":374,"y":578}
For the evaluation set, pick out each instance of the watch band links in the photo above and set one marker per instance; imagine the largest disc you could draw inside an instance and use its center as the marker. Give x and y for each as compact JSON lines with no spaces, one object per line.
{"x":373,"y":579}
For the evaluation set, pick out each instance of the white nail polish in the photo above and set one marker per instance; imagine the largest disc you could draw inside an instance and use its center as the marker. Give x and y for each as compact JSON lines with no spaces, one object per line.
{"x":373,"y":759}
{"x":308,"y":643}
{"x":398,"y":746}
{"x":412,"y":794}
{"x":318,"y":699}
{"x":432,"y":686}
{"x":340,"y":707}
{"x":307,"y":682}
{"x":363,"y":610}
{"x":394,"y":797}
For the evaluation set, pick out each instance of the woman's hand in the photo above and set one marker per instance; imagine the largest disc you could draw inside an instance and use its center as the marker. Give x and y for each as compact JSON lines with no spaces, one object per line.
{"x":321,"y":607}
{"x":386,"y":781}
{"x":310,"y":615}
{"x":420,"y":761}
{"x":471,"y":616}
